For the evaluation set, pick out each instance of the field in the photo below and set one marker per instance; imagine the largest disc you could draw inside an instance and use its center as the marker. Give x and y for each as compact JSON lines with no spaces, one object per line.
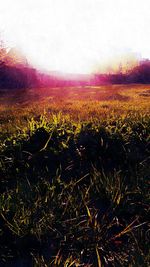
{"x":75,"y":166}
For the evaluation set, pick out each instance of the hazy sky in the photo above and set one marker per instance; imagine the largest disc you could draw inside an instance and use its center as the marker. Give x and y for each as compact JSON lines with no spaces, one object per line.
{"x":76,"y":35}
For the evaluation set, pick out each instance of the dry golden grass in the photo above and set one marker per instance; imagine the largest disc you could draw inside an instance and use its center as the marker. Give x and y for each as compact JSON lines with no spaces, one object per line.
{"x":74,"y":176}
{"x":78,"y":103}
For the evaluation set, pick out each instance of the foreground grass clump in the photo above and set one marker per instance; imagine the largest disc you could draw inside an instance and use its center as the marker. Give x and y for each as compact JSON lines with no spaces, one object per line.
{"x":76,"y":193}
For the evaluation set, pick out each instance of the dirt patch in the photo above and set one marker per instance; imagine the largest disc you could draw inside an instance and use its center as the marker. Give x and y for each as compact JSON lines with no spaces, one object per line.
{"x":118,"y":97}
{"x":145,"y":93}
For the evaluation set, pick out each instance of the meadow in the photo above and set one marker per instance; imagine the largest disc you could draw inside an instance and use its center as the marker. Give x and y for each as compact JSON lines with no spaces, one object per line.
{"x":75,"y":167}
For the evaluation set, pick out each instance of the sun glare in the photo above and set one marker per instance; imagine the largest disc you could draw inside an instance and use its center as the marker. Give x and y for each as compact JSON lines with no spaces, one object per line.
{"x":76,"y":36}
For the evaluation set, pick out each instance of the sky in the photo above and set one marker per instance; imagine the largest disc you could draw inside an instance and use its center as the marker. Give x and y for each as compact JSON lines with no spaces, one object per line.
{"x":76,"y":36}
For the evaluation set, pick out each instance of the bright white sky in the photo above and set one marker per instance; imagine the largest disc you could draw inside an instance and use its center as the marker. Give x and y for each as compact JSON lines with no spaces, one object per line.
{"x":75,"y":35}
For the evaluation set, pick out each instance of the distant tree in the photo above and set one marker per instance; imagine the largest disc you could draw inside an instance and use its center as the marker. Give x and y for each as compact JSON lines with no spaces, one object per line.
{"x":15,"y":75}
{"x":141,"y":73}
{"x":3,"y":52}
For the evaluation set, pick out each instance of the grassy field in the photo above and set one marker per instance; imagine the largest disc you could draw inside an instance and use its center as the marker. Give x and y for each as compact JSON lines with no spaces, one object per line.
{"x":75,"y":167}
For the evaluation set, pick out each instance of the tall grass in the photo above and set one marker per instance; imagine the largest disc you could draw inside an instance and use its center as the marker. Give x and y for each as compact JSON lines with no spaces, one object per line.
{"x":75,"y":192}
